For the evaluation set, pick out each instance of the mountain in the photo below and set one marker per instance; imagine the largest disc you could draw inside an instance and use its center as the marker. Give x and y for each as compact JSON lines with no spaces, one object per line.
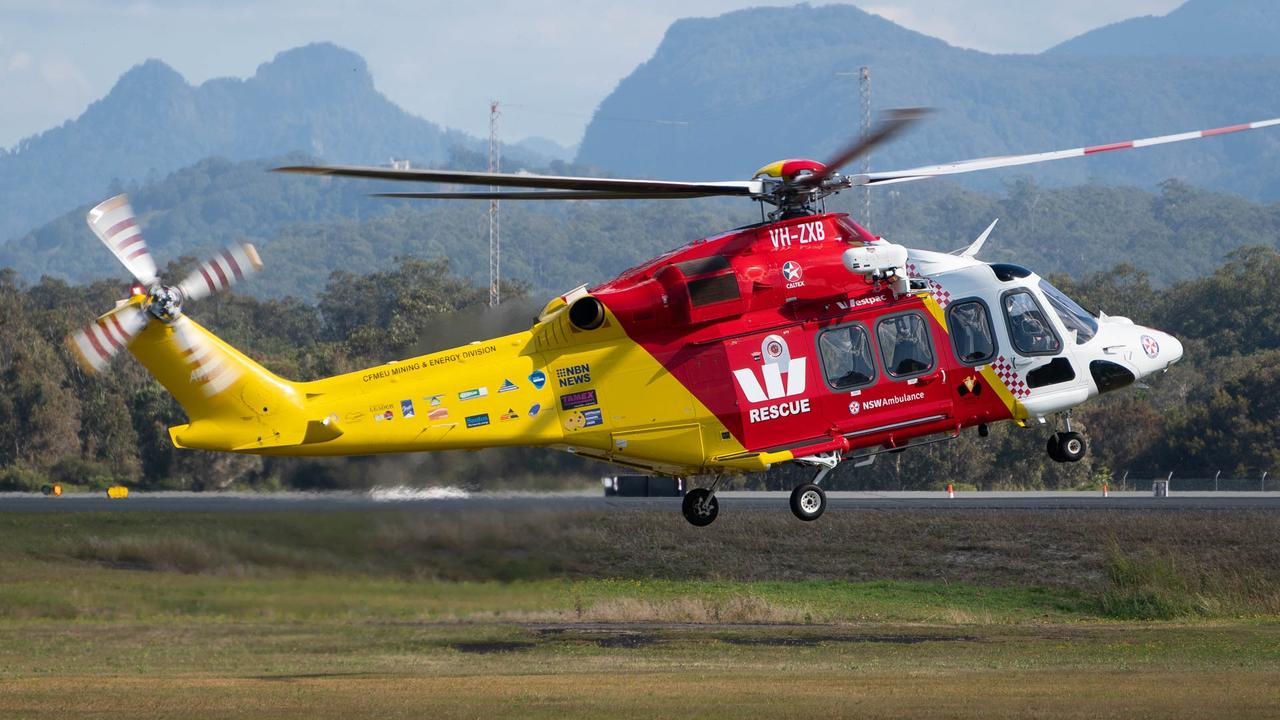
{"x":318,"y":99}
{"x":1198,"y":28}
{"x":737,"y":91}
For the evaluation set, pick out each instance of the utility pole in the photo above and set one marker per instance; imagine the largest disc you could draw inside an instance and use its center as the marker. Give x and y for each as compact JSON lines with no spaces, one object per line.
{"x":495,"y":243}
{"x":864,"y":82}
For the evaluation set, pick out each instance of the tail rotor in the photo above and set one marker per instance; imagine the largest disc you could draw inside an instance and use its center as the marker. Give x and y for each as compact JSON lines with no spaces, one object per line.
{"x":114,"y":222}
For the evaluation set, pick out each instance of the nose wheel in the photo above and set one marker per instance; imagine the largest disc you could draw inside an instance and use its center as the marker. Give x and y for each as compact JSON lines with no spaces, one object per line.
{"x":700,"y":507}
{"x":808,"y":502}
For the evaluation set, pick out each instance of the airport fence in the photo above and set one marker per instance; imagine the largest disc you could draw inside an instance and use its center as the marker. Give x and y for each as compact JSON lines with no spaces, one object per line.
{"x":1200,"y":483}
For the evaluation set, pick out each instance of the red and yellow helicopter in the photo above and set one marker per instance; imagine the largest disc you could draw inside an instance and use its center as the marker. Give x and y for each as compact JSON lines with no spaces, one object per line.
{"x":804,"y":338}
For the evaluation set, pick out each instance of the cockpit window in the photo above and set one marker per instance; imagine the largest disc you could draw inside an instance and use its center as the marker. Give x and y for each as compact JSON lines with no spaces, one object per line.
{"x":904,"y":345}
{"x":846,"y":357}
{"x":1072,"y":315}
{"x":971,"y":332}
{"x":1028,"y":327}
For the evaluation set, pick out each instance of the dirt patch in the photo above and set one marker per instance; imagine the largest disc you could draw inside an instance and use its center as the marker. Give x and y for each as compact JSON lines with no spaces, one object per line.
{"x":814,"y":640}
{"x":487,"y":648}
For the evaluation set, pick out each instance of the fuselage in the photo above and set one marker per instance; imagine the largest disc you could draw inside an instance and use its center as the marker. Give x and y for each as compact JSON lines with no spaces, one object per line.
{"x":729,"y":354}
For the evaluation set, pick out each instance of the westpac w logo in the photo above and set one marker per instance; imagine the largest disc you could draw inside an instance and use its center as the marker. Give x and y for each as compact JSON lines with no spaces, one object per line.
{"x":784,"y":376}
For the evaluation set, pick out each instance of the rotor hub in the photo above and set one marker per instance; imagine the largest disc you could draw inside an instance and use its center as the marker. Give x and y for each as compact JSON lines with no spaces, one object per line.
{"x":164,"y":302}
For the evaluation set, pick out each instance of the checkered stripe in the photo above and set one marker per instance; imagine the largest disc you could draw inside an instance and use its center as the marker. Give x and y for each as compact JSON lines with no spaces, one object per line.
{"x":1010,"y":377}
{"x":940,"y":295}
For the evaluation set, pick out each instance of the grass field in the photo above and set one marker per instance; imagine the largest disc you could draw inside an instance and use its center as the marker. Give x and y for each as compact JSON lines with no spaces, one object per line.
{"x":876,"y":614}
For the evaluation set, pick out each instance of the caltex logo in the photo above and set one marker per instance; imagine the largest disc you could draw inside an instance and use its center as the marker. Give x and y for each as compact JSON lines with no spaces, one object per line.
{"x":792,"y":272}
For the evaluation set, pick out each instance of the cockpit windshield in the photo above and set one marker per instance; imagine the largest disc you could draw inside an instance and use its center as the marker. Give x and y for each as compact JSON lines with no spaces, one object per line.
{"x":1072,"y":315}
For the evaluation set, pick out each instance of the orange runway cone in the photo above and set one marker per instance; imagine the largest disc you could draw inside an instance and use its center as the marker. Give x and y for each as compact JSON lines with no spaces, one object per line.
{"x":951,"y":490}
{"x":1104,"y":490}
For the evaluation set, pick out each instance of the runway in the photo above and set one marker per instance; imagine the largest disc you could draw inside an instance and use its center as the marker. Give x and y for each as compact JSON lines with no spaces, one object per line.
{"x":449,"y":499}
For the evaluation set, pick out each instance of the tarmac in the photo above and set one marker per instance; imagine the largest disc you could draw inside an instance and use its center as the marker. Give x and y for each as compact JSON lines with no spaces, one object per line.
{"x":452,"y":499}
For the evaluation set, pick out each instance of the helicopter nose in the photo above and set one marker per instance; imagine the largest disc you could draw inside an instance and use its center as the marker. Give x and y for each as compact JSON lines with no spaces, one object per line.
{"x":1161,"y":350}
{"x":1174,"y":348}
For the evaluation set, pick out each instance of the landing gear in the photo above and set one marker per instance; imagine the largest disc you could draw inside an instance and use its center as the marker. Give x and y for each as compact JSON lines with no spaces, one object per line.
{"x":1067,"y":446}
{"x":700,"y":507}
{"x":808,"y":502}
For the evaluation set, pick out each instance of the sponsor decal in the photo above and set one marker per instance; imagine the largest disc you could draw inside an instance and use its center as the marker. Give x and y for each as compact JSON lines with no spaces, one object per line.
{"x":574,"y":375}
{"x":584,"y":419}
{"x":580,"y":399}
{"x":891,"y":401}
{"x":793,"y":274}
{"x":1150,"y":346}
{"x":855,"y":407}
{"x":392,"y":371}
{"x":473,"y":393}
{"x":474,"y":421}
{"x":970,"y":385}
{"x":861,"y":302}
{"x":783,"y":377}
{"x":353,"y":417}
{"x":801,"y":234}
{"x":380,"y":407}
{"x":508,"y":386}
{"x":510,"y":414}
{"x":462,"y":355}
{"x":534,"y":409}
{"x":435,"y":400}
{"x":387,"y":416}
{"x":438,"y":414}
{"x":538,"y":378}
{"x":406,"y":408}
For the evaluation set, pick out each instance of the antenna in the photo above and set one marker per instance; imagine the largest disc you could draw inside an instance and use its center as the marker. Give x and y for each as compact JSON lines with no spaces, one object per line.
{"x":495,"y":242}
{"x":864,"y":78}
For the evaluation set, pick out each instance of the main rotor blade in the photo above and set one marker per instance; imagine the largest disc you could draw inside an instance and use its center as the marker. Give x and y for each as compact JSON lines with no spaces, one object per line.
{"x":964,"y":166}
{"x":96,"y":343}
{"x":545,"y":195}
{"x":894,"y":122}
{"x":115,"y":225}
{"x":221,"y":271}
{"x":521,"y":180}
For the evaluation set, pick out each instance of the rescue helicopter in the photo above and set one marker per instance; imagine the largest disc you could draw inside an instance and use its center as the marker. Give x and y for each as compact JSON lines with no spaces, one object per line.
{"x":803,"y":338}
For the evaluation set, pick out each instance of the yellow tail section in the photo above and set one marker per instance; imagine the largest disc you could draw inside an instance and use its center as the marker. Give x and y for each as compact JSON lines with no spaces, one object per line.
{"x":232,"y":402}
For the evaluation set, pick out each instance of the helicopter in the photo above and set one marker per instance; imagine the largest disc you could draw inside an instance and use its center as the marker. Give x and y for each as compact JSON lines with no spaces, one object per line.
{"x":802,"y":338}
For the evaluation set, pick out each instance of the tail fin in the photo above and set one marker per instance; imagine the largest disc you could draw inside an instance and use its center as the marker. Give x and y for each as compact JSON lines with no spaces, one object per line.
{"x":233,"y":403}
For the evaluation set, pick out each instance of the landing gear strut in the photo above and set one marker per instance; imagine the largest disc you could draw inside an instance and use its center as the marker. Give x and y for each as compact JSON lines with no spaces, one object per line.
{"x":1068,"y":446}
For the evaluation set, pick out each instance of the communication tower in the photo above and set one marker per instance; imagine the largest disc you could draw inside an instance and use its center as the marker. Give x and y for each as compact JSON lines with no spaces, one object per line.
{"x":495,"y":243}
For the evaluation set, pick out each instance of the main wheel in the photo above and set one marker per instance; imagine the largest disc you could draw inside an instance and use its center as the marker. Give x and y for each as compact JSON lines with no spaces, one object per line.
{"x":808,"y":502}
{"x":700,"y":507}
{"x":1071,"y":446}
{"x":1054,"y":447}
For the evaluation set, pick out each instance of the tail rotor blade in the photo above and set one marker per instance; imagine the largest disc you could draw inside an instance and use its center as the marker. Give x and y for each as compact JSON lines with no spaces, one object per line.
{"x":96,"y":344}
{"x":115,"y":225}
{"x":210,"y":367}
{"x":221,"y":271}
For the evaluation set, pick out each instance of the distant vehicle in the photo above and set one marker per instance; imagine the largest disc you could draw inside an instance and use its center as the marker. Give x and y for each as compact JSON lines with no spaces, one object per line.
{"x":803,"y":338}
{"x":643,"y":486}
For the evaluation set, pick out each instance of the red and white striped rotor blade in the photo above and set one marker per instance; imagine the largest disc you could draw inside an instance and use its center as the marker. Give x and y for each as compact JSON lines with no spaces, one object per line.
{"x":221,"y":271}
{"x":96,"y":344}
{"x":115,"y":225}
{"x":964,"y":166}
{"x":210,"y":367}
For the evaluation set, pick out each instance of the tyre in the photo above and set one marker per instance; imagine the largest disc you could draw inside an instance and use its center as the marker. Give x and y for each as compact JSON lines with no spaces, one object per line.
{"x":700,"y":507}
{"x":808,"y":502}
{"x":1072,"y":447}
{"x":1055,"y":453}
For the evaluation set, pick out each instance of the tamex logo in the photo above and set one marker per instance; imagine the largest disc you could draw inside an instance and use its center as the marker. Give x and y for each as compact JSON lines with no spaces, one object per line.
{"x":784,"y":377}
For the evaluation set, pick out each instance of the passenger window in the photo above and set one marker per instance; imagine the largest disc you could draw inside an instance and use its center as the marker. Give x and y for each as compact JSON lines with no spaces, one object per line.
{"x":971,"y":332}
{"x":1029,"y":329}
{"x":846,"y":357}
{"x":904,"y":345}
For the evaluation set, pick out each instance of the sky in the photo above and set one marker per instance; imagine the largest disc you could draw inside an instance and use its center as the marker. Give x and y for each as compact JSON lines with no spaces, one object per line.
{"x":548,"y":62}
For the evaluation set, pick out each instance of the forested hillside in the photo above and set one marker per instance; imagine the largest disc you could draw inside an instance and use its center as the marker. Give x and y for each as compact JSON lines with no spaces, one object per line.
{"x":746,"y":88}
{"x":1219,"y":409}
